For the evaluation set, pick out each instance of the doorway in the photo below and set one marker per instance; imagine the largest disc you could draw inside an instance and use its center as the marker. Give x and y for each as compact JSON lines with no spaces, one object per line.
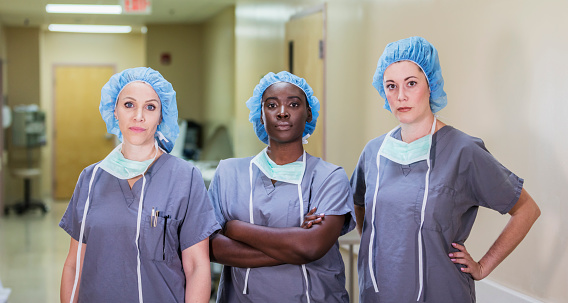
{"x":80,"y":137}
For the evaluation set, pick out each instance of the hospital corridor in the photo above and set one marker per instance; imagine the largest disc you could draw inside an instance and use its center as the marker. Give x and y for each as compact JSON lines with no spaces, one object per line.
{"x":294,"y":141}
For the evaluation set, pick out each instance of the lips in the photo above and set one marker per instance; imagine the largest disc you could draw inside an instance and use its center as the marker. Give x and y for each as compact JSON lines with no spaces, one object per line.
{"x":137,"y":129}
{"x":283,"y":126}
{"x":403,"y":109}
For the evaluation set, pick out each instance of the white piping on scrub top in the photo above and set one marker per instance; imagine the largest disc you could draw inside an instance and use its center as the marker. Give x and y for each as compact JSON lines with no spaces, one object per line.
{"x":304,"y":271}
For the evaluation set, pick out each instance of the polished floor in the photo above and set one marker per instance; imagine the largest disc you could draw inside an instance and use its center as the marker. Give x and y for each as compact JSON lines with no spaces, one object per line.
{"x":32,"y":251}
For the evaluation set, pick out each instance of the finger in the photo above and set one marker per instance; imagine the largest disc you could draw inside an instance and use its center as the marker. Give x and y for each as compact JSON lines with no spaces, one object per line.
{"x":458,"y":246}
{"x":309,"y":218}
{"x":460,"y":255}
{"x":461,"y":261}
{"x":312,"y":211}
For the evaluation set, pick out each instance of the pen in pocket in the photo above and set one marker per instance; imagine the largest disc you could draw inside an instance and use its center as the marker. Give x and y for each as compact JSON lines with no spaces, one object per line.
{"x":164,"y":239}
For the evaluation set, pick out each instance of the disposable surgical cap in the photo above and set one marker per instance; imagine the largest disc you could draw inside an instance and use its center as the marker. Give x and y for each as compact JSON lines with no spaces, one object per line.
{"x":425,"y":55}
{"x":254,"y":103}
{"x":168,"y":129}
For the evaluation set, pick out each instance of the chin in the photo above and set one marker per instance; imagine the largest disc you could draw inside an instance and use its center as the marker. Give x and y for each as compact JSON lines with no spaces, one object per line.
{"x":137,"y":141}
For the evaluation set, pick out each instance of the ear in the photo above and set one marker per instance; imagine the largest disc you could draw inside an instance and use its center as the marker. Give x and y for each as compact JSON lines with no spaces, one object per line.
{"x":309,"y":119}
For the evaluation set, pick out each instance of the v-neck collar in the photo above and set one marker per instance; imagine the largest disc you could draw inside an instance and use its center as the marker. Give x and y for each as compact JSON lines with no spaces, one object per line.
{"x":131,"y":194}
{"x":406,"y":169}
{"x":267,"y":182}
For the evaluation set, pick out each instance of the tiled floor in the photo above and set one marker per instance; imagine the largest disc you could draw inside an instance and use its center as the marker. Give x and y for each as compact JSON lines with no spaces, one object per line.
{"x":32,"y":251}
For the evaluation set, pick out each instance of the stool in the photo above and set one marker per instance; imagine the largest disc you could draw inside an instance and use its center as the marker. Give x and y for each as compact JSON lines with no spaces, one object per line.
{"x":28,"y":203}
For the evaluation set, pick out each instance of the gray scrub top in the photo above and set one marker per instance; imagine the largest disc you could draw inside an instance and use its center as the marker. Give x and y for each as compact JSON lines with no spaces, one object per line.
{"x":175,"y":188}
{"x":463,"y":176}
{"x":324,"y":186}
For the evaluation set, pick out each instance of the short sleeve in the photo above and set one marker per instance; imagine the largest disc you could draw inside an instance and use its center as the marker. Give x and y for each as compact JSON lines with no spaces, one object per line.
{"x":199,"y":222}
{"x":214,"y":195}
{"x":71,"y":220}
{"x":334,"y":198}
{"x":492,"y":185}
{"x":357,"y":182}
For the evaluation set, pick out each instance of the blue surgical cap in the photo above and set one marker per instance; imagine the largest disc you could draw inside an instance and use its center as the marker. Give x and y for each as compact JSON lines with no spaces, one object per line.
{"x":425,"y":55}
{"x":168,"y":129}
{"x":254,"y":104}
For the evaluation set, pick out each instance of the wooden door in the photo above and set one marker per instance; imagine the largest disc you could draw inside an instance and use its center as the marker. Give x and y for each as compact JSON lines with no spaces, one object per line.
{"x":305,"y":58}
{"x":80,"y":136}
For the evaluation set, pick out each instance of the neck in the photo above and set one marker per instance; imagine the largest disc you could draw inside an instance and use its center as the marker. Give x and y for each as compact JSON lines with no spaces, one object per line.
{"x":284,"y":153}
{"x":413,"y":131}
{"x":139,"y":152}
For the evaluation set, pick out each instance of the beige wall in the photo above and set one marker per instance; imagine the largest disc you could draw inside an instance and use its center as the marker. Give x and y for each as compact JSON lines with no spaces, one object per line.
{"x":219,"y":72}
{"x":22,"y":88}
{"x":184,"y":42}
{"x":119,"y":50}
{"x":504,"y":71}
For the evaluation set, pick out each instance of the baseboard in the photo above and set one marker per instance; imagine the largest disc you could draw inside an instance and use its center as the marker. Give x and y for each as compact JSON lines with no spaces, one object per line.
{"x":492,"y":292}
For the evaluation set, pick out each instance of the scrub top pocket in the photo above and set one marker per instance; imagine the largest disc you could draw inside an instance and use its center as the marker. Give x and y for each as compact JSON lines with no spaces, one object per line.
{"x":439,"y":208}
{"x":152,"y":246}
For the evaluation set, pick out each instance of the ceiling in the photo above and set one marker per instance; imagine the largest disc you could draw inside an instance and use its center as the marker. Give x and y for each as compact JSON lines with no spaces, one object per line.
{"x":32,"y":12}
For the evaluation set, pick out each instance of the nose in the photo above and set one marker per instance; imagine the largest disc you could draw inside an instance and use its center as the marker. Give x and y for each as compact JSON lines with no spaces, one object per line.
{"x":402,"y":94}
{"x":283,"y":113}
{"x":139,"y":116}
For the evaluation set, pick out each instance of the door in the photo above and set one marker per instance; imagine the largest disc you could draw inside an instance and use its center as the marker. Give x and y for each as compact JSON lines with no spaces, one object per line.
{"x":305,"y":58}
{"x":80,"y":136}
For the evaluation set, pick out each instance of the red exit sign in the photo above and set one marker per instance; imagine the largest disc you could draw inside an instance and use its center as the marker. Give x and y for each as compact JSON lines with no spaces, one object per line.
{"x":136,"y":6}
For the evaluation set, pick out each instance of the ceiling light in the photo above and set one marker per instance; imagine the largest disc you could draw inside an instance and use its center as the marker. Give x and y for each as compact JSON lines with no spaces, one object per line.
{"x":83,"y":28}
{"x":83,"y":9}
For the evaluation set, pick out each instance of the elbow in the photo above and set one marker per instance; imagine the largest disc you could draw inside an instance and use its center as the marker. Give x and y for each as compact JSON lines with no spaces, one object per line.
{"x":307,"y":256}
{"x":536,"y":212}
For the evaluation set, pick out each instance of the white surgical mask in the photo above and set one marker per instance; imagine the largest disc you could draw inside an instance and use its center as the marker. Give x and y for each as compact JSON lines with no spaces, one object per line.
{"x":117,"y":165}
{"x":289,"y":173}
{"x":404,"y":154}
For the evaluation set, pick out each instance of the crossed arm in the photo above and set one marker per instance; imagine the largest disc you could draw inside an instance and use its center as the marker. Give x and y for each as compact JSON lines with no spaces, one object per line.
{"x":247,"y":245}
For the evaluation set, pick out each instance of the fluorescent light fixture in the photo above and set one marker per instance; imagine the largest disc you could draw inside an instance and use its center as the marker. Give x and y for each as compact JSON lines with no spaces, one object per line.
{"x":83,"y":28}
{"x":83,"y":9}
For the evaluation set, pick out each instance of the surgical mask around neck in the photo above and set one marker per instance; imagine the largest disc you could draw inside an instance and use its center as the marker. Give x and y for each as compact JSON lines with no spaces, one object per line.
{"x":117,"y":165}
{"x":406,"y":153}
{"x":289,"y":173}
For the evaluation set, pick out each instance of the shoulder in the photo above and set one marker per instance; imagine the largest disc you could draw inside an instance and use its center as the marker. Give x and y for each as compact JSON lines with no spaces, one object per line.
{"x":321,"y":170}
{"x":459,"y":141}
{"x":234,"y":165}
{"x":175,"y":167}
{"x":87,"y":172}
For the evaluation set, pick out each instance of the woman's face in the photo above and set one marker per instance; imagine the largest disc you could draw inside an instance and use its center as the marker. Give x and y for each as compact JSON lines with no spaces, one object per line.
{"x":284,"y":112}
{"x":407,"y":92}
{"x":138,"y":111}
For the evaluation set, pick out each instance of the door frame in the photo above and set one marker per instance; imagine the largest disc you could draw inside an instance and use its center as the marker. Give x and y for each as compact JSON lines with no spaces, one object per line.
{"x":54,"y":114}
{"x":313,"y":10}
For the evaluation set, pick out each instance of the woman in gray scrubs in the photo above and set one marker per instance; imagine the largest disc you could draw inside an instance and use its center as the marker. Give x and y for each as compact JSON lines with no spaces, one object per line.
{"x":417,"y":190}
{"x":140,"y":219}
{"x":261,"y":202}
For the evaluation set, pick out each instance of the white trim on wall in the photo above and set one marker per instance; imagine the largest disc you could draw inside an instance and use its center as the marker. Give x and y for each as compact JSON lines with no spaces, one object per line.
{"x":488,"y":291}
